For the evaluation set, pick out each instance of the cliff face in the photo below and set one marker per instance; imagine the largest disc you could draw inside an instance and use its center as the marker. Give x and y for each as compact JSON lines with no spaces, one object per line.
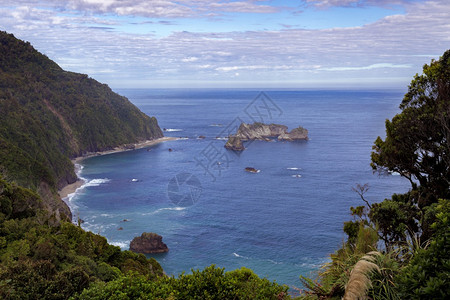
{"x":49,"y":115}
{"x":260,"y":131}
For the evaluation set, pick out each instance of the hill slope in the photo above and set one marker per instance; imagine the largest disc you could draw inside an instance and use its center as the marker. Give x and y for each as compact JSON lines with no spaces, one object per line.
{"x":50,"y":115}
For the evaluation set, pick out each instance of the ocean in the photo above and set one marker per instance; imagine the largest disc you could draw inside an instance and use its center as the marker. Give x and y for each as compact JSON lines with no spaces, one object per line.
{"x":281,"y":222}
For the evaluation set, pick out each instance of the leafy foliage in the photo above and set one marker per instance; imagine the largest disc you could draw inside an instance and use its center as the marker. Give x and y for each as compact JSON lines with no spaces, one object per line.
{"x":211,"y":283}
{"x":427,"y":276}
{"x":417,"y":143}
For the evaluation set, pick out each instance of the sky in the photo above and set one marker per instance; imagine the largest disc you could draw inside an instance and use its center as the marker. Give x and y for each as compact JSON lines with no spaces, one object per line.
{"x":238,"y":44}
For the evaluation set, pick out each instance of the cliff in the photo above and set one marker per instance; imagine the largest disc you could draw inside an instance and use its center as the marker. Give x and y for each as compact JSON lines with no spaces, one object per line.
{"x":260,"y":131}
{"x":50,"y":115}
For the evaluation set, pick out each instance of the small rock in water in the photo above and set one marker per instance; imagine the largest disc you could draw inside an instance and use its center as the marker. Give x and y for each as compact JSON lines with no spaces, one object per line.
{"x":120,"y":228}
{"x":148,"y":242}
{"x":170,"y":150}
{"x":251,"y":170}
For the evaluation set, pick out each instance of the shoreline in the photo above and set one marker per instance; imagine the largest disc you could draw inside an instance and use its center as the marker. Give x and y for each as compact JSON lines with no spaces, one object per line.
{"x":72,"y":187}
{"x":123,"y":148}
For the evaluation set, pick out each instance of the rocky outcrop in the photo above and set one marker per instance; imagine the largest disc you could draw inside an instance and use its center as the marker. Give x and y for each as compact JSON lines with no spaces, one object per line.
{"x":259,"y":131}
{"x":148,"y":242}
{"x":298,"y":133}
{"x":234,"y":143}
{"x":266,"y":132}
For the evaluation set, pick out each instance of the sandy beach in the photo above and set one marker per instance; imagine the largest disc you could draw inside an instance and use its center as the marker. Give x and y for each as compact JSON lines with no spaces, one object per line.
{"x":71,"y":188}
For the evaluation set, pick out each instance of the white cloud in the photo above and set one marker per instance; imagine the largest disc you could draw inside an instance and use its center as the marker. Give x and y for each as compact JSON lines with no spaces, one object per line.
{"x":152,"y":8}
{"x":355,"y":3}
{"x":267,"y":67}
{"x":371,"y":67}
{"x":190,"y":59}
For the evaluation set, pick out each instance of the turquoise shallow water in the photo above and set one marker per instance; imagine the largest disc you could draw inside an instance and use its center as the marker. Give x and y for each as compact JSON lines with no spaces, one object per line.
{"x":281,"y":222}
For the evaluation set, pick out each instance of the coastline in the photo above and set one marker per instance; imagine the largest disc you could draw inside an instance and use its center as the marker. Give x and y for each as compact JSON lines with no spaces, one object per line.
{"x":124,"y":148}
{"x":72,"y":187}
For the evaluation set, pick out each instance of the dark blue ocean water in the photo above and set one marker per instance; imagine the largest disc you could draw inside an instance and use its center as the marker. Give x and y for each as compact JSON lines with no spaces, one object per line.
{"x":282,"y":222}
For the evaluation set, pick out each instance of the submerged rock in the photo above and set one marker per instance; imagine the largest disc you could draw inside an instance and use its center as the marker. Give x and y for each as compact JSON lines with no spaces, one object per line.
{"x":148,"y":242}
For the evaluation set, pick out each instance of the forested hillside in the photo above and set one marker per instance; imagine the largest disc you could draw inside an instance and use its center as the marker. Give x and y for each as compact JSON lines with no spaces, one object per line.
{"x":49,"y":115}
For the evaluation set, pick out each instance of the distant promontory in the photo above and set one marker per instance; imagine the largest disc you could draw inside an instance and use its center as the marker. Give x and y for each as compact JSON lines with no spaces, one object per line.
{"x":50,"y":116}
{"x":265,"y":132}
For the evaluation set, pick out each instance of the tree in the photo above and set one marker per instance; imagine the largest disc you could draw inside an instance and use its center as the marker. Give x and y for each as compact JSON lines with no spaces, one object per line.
{"x":417,"y":143}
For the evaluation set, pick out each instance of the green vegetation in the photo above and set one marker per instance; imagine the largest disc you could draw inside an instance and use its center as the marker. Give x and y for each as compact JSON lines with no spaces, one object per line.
{"x":211,"y":283}
{"x":399,"y":248}
{"x":50,"y":115}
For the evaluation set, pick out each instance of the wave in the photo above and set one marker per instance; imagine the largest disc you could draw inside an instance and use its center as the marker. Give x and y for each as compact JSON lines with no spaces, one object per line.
{"x":107,"y":215}
{"x":296,"y":176}
{"x":172,"y":129}
{"x":86,"y":183}
{"x":163,"y":209}
{"x":294,"y":168}
{"x":275,"y":262}
{"x":95,"y":182}
{"x":121,"y":244}
{"x":98,"y":228}
{"x":216,"y":125}
{"x":221,"y":138}
{"x":240,"y":256}
{"x":183,"y":138}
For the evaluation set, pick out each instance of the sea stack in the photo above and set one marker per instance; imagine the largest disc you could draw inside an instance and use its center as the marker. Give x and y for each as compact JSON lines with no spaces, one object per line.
{"x":148,"y":242}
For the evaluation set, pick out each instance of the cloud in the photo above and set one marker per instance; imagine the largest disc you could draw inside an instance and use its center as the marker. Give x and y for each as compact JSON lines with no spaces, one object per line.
{"x":356,"y":3}
{"x":267,"y":67}
{"x":153,"y":8}
{"x":190,"y":59}
{"x":394,"y":47}
{"x":371,"y":67}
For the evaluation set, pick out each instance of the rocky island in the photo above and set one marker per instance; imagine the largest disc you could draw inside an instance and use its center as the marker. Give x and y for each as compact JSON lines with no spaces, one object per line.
{"x":265,"y":132}
{"x":148,"y":242}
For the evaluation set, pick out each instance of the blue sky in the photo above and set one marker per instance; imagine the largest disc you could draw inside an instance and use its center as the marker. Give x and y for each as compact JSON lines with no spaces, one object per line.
{"x":257,"y":44}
